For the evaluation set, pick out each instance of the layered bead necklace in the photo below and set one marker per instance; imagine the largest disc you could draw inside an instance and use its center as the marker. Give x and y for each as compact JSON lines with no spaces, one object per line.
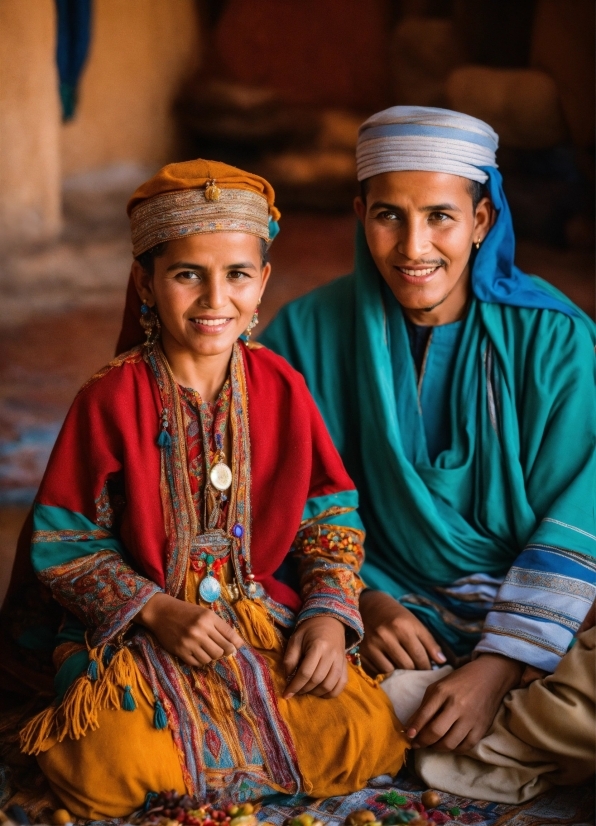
{"x":212,"y":548}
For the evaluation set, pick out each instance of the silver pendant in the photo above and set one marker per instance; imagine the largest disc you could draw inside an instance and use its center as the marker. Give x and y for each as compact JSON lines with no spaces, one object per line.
{"x":209,"y":589}
{"x":220,"y":476}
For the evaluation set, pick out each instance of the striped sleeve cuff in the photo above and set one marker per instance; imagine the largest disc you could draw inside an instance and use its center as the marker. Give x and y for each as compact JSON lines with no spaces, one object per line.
{"x":540,"y":605}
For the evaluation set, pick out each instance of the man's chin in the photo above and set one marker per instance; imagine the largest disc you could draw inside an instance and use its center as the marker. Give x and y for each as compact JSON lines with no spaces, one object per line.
{"x":421,"y":303}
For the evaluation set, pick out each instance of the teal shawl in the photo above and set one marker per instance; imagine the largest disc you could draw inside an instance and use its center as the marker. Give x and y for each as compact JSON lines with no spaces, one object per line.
{"x":521,"y":467}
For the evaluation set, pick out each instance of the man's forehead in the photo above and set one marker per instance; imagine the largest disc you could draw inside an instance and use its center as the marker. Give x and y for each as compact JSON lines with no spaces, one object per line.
{"x":417,"y":183}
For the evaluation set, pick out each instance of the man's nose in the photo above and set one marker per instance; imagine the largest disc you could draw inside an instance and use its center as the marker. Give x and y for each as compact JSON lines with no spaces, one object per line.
{"x":413,"y":241}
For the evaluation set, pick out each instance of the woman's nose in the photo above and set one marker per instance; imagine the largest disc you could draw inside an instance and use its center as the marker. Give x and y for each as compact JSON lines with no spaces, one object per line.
{"x":214,"y":295}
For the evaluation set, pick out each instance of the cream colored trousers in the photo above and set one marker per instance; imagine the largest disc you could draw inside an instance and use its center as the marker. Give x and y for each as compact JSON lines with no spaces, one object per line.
{"x":543,"y":735}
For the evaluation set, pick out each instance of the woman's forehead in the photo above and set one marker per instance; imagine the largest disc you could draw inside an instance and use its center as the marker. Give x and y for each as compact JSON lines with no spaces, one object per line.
{"x":215,"y":245}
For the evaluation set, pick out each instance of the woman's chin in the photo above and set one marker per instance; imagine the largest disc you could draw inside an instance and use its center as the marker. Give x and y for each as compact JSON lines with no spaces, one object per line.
{"x":210,"y":344}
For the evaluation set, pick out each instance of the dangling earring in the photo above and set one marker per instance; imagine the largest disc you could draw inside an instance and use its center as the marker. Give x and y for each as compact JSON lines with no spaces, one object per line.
{"x":150,"y":324}
{"x":477,"y":244}
{"x":253,"y":322}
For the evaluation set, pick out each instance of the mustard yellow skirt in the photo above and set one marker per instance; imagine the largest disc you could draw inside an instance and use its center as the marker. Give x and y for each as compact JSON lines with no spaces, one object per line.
{"x":341,"y":743}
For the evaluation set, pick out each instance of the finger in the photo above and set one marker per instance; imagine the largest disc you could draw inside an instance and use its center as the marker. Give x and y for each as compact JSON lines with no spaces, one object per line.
{"x":453,"y":737}
{"x":376,"y":661}
{"x":189,"y":658}
{"x":436,"y":729}
{"x":431,"y":646}
{"x":201,"y":657}
{"x":292,"y":655}
{"x":387,"y":655}
{"x":227,"y":647}
{"x":337,"y":690}
{"x":318,"y":677}
{"x":210,"y":648}
{"x":417,"y":652}
{"x":228,"y":632}
{"x":472,"y":739}
{"x":399,"y":649}
{"x":322,"y":683}
{"x":338,"y":687}
{"x":303,"y":674}
{"x":431,"y":705}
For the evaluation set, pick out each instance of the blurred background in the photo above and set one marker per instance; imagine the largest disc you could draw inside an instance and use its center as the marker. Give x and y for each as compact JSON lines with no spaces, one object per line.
{"x":95,"y":95}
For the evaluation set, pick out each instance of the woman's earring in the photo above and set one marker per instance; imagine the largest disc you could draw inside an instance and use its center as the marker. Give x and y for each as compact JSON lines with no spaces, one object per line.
{"x":477,"y":244}
{"x":253,"y":323}
{"x":150,"y":324}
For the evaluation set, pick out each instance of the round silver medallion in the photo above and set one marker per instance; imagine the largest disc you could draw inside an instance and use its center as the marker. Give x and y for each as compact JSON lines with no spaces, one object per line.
{"x":220,"y":476}
{"x":209,"y":589}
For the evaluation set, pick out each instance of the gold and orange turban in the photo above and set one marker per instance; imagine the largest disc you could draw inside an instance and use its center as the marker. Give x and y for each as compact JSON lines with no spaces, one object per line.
{"x":200,"y":196}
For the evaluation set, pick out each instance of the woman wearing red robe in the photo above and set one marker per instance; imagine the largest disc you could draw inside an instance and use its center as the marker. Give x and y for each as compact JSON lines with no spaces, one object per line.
{"x":192,"y":484}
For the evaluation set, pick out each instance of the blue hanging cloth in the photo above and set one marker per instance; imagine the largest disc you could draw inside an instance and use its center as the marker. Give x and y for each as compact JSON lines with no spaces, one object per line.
{"x":74,"y":36}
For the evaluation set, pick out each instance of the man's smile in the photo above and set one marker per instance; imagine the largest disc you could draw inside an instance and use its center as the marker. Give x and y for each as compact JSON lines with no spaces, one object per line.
{"x":418,"y":275}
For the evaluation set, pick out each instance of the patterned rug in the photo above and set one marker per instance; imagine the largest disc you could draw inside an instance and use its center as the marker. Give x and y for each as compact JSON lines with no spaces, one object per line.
{"x":570,"y":806}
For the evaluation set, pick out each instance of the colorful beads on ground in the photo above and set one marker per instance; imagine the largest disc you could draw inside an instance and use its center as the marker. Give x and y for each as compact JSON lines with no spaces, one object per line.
{"x":360,"y":817}
{"x":172,"y":809}
{"x":302,"y":820}
{"x":430,"y":799}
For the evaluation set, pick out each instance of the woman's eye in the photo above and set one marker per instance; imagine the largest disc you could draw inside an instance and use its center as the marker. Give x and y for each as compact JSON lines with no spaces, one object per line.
{"x":438,"y":217}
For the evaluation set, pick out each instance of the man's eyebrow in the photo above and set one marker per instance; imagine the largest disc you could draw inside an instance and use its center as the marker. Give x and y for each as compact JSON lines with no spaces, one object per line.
{"x":441,"y":208}
{"x":188,"y":265}
{"x":431,"y":208}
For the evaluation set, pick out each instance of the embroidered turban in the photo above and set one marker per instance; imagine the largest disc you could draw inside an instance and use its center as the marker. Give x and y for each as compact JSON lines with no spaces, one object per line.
{"x":200,"y":196}
{"x":424,"y":138}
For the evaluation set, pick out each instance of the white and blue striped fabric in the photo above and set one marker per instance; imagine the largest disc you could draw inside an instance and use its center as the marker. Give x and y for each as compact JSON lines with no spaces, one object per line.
{"x":540,"y":605}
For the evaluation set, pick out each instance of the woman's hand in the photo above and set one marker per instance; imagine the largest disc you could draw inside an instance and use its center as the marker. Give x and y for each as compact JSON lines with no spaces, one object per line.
{"x":196,"y":635}
{"x":317,"y":653}
{"x":458,"y":710}
{"x":394,"y":637}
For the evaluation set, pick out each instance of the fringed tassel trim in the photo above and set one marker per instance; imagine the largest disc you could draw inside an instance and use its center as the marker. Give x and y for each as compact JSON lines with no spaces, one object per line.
{"x":107,"y":684}
{"x":256,"y":624}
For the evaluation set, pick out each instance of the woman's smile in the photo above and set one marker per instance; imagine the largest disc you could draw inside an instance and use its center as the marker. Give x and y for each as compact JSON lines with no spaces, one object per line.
{"x":210,"y":326}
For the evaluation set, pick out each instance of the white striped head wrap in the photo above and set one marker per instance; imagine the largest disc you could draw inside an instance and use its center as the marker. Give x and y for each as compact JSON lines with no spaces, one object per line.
{"x":424,"y":138}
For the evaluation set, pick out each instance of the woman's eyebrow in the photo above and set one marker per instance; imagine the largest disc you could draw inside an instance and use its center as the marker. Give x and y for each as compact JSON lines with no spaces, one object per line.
{"x":188,"y":265}
{"x":185,"y":265}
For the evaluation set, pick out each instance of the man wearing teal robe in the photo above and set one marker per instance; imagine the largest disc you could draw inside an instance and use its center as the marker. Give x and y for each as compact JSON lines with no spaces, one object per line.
{"x":460,"y":393}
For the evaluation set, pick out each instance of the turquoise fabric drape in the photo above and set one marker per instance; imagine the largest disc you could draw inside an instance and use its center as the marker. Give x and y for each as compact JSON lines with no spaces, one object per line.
{"x":521,"y":466}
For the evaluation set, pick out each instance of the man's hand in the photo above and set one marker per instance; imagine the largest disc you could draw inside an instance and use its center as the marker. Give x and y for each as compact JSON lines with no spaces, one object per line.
{"x":317,"y":653}
{"x":394,"y":637}
{"x":196,"y":635}
{"x":458,"y":710}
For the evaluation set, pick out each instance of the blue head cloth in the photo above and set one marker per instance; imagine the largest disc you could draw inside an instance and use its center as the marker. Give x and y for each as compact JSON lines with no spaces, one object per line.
{"x":441,"y":140}
{"x":495,"y":278}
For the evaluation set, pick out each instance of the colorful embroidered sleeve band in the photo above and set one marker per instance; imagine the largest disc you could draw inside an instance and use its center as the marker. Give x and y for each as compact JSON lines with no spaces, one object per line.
{"x":83,"y":565}
{"x":329,"y":557}
{"x":540,"y":606}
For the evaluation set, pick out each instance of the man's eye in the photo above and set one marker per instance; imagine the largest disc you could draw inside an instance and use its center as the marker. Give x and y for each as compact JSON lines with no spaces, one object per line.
{"x":187,"y":275}
{"x":237,"y":275}
{"x":438,"y":217}
{"x":387,"y":216}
